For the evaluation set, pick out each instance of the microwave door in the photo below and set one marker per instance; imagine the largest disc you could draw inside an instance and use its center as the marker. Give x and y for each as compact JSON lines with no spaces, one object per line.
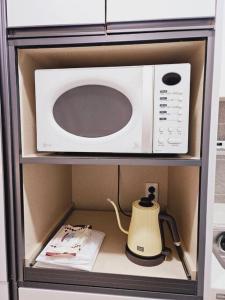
{"x":90,"y":110}
{"x":147,"y":109}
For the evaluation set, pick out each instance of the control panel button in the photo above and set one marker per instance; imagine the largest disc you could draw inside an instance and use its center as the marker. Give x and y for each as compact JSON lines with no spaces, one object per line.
{"x":163,"y":105}
{"x":170,"y":129}
{"x":180,"y":112}
{"x":179,"y":130}
{"x":177,"y":93}
{"x":161,"y":130}
{"x":171,"y":78}
{"x":162,"y":112}
{"x":179,"y":120}
{"x":160,"y":141}
{"x":174,"y":141}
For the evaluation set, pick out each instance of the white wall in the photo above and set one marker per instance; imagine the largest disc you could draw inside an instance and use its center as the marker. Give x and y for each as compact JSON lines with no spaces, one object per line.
{"x":222,"y":81}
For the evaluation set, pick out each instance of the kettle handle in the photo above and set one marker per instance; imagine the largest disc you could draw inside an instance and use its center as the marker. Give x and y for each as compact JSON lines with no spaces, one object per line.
{"x":172,"y":226}
{"x":165,"y":250}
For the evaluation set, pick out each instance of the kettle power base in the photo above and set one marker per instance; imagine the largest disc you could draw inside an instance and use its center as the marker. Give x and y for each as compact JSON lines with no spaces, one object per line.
{"x":145,"y":261}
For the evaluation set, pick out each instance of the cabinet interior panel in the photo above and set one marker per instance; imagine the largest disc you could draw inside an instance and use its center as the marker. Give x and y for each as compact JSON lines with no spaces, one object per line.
{"x":27,"y":108}
{"x":29,"y":60}
{"x":92,"y":185}
{"x":183,"y":202}
{"x":47,"y":194}
{"x":133,"y":180}
{"x":196,"y":105}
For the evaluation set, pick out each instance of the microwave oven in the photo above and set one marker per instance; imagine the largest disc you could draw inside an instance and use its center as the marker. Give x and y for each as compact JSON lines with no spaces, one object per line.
{"x":123,"y":109}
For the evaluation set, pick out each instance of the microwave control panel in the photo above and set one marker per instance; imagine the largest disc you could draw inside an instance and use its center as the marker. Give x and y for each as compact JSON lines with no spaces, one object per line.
{"x":171,"y":108}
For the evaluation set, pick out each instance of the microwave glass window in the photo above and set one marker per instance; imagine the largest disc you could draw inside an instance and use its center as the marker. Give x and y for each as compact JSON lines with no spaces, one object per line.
{"x":92,"y":111}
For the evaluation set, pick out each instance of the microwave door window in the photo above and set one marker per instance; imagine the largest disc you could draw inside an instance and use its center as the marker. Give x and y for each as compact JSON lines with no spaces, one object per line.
{"x":92,"y":111}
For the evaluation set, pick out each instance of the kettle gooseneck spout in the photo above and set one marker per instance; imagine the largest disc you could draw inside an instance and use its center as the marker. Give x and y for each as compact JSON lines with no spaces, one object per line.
{"x":117,"y":216}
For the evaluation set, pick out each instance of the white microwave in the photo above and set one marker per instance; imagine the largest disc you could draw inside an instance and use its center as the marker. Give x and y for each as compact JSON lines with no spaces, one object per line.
{"x":125,"y":109}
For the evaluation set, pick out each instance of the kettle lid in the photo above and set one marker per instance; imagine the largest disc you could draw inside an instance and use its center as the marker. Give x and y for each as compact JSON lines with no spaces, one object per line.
{"x":148,"y":201}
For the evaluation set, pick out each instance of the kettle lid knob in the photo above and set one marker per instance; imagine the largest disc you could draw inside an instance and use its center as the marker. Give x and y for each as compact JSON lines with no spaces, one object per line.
{"x":147,"y":201}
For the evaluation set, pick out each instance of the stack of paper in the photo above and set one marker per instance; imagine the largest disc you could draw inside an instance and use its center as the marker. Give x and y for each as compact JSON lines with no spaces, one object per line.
{"x":73,"y":247}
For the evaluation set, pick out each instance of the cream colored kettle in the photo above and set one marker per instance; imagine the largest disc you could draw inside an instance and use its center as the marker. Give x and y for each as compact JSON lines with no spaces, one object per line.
{"x":145,"y":244}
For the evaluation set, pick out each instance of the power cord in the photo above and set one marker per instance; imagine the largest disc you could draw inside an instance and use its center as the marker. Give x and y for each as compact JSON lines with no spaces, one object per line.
{"x":118,"y":194}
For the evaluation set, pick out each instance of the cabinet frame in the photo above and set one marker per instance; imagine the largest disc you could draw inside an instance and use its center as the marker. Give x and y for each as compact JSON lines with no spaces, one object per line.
{"x":14,"y":163}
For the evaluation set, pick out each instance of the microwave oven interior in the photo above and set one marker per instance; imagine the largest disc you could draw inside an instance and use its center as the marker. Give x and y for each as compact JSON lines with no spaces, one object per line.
{"x":29,"y":60}
{"x":77,"y":195}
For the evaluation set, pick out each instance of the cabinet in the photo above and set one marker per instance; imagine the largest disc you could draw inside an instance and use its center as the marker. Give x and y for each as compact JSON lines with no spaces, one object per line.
{"x":27,"y":13}
{"x":151,"y":10}
{"x":49,"y":189}
{"x":78,"y":184}
{"x":35,"y":294}
{"x":3,"y":257}
{"x":4,"y":233}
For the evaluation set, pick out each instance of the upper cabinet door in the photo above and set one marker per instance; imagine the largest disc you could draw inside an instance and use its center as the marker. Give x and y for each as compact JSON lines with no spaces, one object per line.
{"x":27,"y":13}
{"x":147,"y":10}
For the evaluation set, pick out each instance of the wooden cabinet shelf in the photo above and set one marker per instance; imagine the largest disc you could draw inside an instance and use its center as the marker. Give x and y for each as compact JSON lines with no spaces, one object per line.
{"x":111,"y":258}
{"x":185,"y":160}
{"x":112,"y":265}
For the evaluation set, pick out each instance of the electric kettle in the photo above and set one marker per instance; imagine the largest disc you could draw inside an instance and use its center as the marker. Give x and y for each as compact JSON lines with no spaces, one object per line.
{"x":146,"y":242}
